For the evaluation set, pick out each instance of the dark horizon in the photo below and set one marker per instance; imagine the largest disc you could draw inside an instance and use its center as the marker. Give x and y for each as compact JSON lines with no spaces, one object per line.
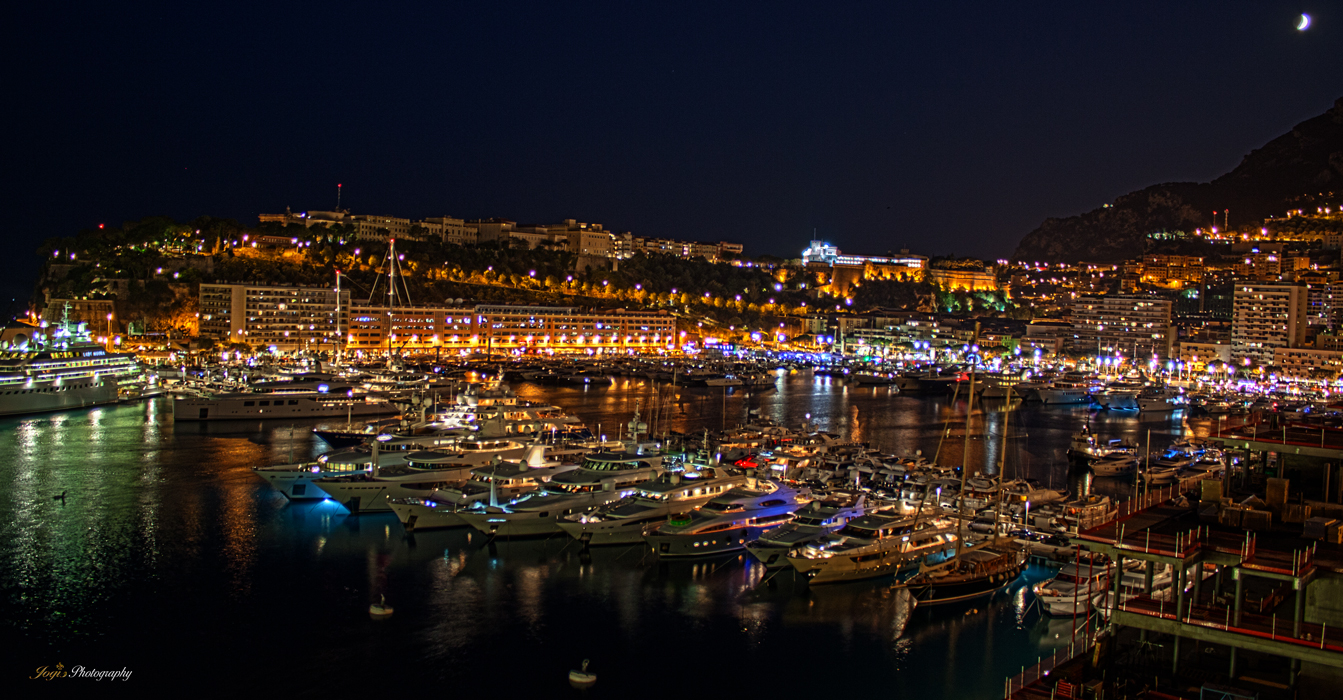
{"x":944,"y":129}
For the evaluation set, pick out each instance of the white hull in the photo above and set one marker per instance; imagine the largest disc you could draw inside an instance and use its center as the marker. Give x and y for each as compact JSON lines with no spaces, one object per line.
{"x":1113,"y":467}
{"x":535,"y":523}
{"x":1066,"y":606}
{"x":772,"y":557}
{"x":417,"y":516}
{"x":46,"y":396}
{"x":296,"y":485}
{"x":610,"y":533}
{"x":374,"y":496}
{"x":267,"y":407}
{"x":1150,"y":405}
{"x":1054,"y":395}
{"x":1118,"y":402}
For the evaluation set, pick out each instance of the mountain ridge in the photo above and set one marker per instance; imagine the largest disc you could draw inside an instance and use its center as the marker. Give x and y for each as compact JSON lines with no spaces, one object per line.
{"x":1305,"y":162}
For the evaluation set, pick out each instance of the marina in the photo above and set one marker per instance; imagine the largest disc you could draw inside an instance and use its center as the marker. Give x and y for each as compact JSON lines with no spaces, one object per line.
{"x":163,"y":494}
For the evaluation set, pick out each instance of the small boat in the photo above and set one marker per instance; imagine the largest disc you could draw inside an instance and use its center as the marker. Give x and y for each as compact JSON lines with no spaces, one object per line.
{"x":380,"y":610}
{"x":581,"y":678}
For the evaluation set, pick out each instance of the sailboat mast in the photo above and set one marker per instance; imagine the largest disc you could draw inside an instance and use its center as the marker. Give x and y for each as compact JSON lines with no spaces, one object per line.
{"x":391,"y":294}
{"x":965,"y":453}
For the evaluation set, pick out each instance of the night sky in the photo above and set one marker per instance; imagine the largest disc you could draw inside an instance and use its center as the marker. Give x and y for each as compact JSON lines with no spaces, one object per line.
{"x":944,"y":127}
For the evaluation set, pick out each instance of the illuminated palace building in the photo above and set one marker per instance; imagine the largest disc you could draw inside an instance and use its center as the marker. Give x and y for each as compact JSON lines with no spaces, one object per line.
{"x":306,"y":318}
{"x":847,"y":271}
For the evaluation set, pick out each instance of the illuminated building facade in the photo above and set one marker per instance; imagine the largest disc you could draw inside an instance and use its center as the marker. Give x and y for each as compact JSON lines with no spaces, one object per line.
{"x":508,"y":328}
{"x":1130,"y":325}
{"x":287,"y":317}
{"x":1267,"y":317}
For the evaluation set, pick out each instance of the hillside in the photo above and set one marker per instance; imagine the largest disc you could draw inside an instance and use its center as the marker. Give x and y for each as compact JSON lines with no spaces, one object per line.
{"x":1288,"y":172}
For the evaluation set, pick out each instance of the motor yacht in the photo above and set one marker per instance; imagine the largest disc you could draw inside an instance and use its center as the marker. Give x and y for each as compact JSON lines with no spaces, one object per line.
{"x":728,"y":522}
{"x":1071,"y":590}
{"x":653,"y":502}
{"x":599,"y":479}
{"x":874,"y":545}
{"x":1114,"y":464}
{"x":298,"y":481}
{"x":421,"y":471}
{"x":872,"y":378}
{"x":270,"y":405}
{"x":1086,"y":445}
{"x":493,"y":485}
{"x":1161,"y":401}
{"x":819,"y":518}
{"x":1071,"y":389}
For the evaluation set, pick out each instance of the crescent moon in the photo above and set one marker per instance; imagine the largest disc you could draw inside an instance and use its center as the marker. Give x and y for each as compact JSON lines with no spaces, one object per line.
{"x":1305,"y":23}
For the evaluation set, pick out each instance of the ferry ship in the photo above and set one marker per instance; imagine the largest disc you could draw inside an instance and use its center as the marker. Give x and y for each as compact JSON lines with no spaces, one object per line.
{"x":66,"y":371}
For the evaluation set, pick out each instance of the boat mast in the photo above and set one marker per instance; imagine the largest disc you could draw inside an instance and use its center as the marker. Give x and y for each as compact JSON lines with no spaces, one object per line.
{"x":391,"y":295}
{"x":965,"y":452}
{"x":339,"y":334}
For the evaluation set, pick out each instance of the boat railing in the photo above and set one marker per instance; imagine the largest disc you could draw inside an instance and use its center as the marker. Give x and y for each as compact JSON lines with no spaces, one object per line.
{"x":1038,"y":675}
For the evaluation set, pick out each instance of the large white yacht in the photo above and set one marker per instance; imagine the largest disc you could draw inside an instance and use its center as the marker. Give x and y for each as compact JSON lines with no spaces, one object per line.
{"x":298,"y":481}
{"x":1073,"y":387}
{"x":422,"y":472}
{"x":626,"y":521}
{"x":279,"y":404}
{"x":601,"y":478}
{"x":66,"y":370}
{"x":498,"y":483}
{"x":726,"y":523}
{"x":874,"y":545}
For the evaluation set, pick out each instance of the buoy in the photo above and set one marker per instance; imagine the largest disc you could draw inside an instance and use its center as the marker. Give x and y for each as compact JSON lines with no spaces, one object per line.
{"x":380,"y":610}
{"x":581,"y":678}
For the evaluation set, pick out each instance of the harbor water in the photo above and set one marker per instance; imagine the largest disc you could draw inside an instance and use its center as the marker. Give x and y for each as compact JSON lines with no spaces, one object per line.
{"x":168,"y":558}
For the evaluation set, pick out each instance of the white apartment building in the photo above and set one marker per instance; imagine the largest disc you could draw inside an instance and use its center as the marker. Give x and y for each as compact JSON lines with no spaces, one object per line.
{"x":1132,"y":326}
{"x":1266,"y":317}
{"x":284,"y":316}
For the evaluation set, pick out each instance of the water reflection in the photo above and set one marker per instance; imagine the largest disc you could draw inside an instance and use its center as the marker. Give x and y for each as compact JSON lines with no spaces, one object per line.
{"x":168,"y":517}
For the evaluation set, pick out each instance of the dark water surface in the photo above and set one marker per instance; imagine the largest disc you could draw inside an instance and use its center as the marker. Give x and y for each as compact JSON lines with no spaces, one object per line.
{"x":170,"y":559}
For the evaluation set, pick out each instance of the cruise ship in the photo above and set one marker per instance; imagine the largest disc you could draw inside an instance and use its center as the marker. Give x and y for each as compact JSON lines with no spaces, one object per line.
{"x":67,"y":371}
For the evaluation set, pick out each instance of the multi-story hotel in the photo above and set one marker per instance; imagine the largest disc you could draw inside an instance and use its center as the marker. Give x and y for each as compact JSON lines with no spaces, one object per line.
{"x":287,"y":317}
{"x":297,"y":318}
{"x":1122,"y":324}
{"x":1267,"y":317}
